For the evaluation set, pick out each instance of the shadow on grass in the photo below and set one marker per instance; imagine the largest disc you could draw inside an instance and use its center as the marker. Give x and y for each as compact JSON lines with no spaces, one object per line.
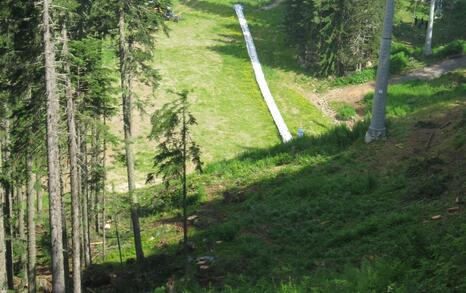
{"x":318,"y":206}
{"x":413,"y":96}
{"x":267,"y":28}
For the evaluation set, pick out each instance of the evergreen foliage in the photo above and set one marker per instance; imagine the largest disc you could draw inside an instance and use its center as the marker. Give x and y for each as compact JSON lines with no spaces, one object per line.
{"x":334,"y":36}
{"x":171,"y":128}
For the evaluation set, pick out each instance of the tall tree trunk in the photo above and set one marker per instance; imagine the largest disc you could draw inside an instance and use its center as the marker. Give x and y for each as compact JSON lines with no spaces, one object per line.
{"x":80,"y":188}
{"x":104,"y":181}
{"x":430,"y":29}
{"x":21,"y":211}
{"x":8,"y":206}
{"x":3,"y":275}
{"x":66,"y":250}
{"x":22,"y":227}
{"x":84,"y":197}
{"x":72,"y":152}
{"x":39,"y":197}
{"x":185,"y":190}
{"x":53,"y":155}
{"x":31,"y":266}
{"x":127,"y":121}
{"x":95,"y":184}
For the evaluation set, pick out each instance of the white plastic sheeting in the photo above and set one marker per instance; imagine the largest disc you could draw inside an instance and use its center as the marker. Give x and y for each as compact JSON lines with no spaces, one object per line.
{"x":269,"y":100}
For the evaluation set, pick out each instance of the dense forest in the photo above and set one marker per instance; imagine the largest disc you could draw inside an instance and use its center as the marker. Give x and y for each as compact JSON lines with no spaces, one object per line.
{"x":137,"y":153}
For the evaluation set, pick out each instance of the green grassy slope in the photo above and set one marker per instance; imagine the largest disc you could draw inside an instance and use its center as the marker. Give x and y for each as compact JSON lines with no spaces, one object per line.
{"x":323,"y":214}
{"x":205,"y":52}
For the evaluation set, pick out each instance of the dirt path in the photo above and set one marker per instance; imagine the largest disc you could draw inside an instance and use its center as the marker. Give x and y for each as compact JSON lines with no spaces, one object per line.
{"x":355,"y":93}
{"x":273,"y":4}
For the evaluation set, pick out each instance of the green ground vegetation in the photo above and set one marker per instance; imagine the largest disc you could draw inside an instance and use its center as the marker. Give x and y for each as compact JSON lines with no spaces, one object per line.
{"x":326,"y":213}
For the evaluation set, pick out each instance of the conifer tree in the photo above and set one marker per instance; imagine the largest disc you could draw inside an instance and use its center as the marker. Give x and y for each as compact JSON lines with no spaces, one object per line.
{"x":334,"y":36}
{"x":171,"y":128}
{"x":53,"y":154}
{"x":137,"y":21}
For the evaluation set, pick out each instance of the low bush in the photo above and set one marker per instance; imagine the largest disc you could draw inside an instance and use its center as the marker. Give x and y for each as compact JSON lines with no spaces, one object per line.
{"x":358,"y":77}
{"x":453,"y":48}
{"x":398,"y":62}
{"x":344,"y":112}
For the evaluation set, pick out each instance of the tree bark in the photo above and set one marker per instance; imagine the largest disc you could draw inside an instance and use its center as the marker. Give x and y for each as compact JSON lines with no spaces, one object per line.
{"x":127,"y":121}
{"x":21,"y":210}
{"x":80,"y":188}
{"x":3,"y":274}
{"x":185,"y":190}
{"x":104,"y":222}
{"x":84,"y":203}
{"x":66,"y":250}
{"x":94,"y":202}
{"x":8,"y":227}
{"x":31,"y":208}
{"x":72,"y":152}
{"x":53,"y":155}
{"x":39,"y":198}
{"x":22,"y":202}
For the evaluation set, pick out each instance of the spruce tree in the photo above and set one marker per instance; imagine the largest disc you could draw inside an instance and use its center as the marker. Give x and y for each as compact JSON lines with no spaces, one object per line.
{"x":137,"y":21}
{"x":171,"y":128}
{"x":334,"y":37}
{"x":53,"y":154}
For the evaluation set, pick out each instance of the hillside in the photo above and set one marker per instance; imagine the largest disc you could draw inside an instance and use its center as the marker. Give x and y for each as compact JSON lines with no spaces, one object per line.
{"x":137,"y":153}
{"x":205,"y":52}
{"x":326,"y":212}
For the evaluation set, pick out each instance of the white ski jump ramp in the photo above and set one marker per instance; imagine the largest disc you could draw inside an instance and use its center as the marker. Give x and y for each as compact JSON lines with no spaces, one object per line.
{"x":269,"y":100}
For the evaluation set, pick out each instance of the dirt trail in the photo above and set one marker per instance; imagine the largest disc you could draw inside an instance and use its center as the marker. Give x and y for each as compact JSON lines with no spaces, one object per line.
{"x":355,"y":93}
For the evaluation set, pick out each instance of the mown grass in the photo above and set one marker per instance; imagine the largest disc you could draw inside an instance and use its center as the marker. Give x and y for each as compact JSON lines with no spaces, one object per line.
{"x":325,"y":213}
{"x":205,"y":52}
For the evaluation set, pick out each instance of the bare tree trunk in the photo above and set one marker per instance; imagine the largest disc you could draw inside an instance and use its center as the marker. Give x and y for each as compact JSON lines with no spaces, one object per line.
{"x":117,"y":232}
{"x":185,"y":189}
{"x":95,"y":185}
{"x":73,"y":150}
{"x":103,"y":195}
{"x":53,"y":155}
{"x":80,"y":188}
{"x":127,"y":121}
{"x":21,"y":211}
{"x":8,"y":227}
{"x":84,"y":196}
{"x":66,"y":250}
{"x":39,"y":198}
{"x":3,"y":275}
{"x":22,"y":227}
{"x":31,"y":266}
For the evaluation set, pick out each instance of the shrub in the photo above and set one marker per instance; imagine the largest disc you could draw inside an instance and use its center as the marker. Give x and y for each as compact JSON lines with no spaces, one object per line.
{"x":344,"y":112}
{"x":453,"y":48}
{"x":398,"y":62}
{"x":398,"y":47}
{"x":358,"y":77}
